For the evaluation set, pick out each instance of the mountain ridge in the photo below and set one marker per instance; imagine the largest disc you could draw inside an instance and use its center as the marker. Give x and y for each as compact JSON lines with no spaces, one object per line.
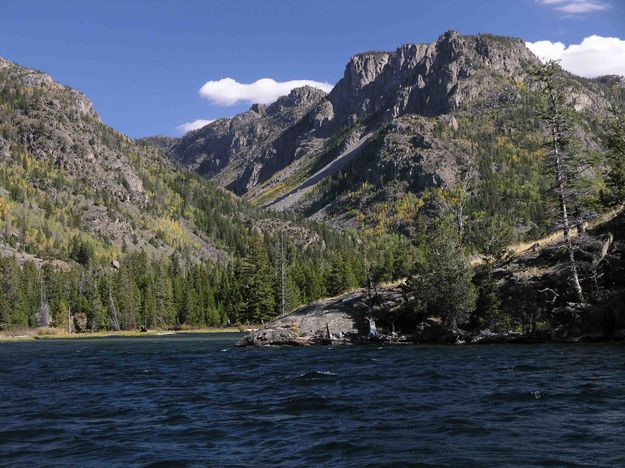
{"x":66,"y":177}
{"x":418,"y":100}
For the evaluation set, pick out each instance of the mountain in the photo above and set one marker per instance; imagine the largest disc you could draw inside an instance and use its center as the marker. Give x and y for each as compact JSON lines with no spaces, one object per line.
{"x":98,"y":231}
{"x":66,"y":178}
{"x":456,"y":113}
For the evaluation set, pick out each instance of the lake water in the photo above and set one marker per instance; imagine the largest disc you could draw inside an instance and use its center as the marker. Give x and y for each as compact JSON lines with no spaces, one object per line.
{"x":196,"y":399}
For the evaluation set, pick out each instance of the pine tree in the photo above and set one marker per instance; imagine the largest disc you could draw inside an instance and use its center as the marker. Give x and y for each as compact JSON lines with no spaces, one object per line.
{"x":164,"y":295}
{"x":442,"y":282}
{"x":615,"y":180}
{"x":10,"y":298}
{"x":97,"y":316}
{"x":128,"y":298}
{"x":148,"y":313}
{"x":259,"y":284}
{"x":561,"y":161}
{"x":193,"y":310}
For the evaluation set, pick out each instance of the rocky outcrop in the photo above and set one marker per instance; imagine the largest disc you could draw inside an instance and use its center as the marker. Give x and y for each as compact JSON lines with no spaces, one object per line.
{"x":344,"y":320}
{"x":86,"y":177}
{"x":536,"y":303}
{"x":247,"y":149}
{"x":56,"y":123}
{"x":338,"y":320}
{"x":413,"y":110}
{"x":427,"y":79}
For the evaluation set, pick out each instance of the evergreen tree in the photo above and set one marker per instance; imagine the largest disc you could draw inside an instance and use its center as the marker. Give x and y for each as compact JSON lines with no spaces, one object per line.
{"x":442,"y":282}
{"x":164,"y":296}
{"x":615,"y":180}
{"x":149,"y":312}
{"x":128,"y":299}
{"x":193,"y":308}
{"x":561,"y":160}
{"x":259,"y":284}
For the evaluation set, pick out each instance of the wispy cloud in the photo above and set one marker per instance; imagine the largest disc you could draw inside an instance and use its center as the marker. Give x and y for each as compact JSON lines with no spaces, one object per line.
{"x":188,"y":126}
{"x":594,"y":56}
{"x":228,"y":92}
{"x":576,"y":7}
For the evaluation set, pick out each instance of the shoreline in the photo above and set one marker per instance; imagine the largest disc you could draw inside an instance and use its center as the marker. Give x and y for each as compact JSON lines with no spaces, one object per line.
{"x":31,"y":334}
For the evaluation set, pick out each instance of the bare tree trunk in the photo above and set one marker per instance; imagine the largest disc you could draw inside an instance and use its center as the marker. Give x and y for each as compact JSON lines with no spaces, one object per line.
{"x":282,"y":275}
{"x":114,"y":320}
{"x":459,"y":221}
{"x":560,"y":187}
{"x":373,"y":329}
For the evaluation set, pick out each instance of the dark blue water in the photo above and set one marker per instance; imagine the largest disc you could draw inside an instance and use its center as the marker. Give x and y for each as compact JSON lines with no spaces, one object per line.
{"x":195,"y":399}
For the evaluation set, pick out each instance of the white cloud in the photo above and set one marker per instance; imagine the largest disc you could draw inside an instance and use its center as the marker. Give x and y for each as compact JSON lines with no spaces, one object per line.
{"x":595,"y":56}
{"x":188,"y":126}
{"x":228,"y":92}
{"x":573,"y":7}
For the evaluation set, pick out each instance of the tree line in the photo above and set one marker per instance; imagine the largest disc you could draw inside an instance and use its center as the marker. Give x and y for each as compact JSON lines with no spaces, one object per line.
{"x":143,"y":291}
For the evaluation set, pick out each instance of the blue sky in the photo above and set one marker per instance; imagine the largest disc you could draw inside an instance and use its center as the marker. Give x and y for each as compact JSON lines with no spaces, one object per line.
{"x":143,"y":62}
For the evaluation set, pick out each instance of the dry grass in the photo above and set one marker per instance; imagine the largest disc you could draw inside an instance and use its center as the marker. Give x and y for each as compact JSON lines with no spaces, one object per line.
{"x":533,"y":272}
{"x":553,"y":238}
{"x":49,"y":331}
{"x":27,"y":334}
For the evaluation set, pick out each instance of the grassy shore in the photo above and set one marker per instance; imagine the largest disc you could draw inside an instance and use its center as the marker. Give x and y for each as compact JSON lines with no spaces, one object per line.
{"x":28,"y":334}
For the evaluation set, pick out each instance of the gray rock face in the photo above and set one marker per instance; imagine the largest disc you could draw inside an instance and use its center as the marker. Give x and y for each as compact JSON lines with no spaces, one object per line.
{"x":83,"y":163}
{"x":426,"y":79}
{"x":337,"y":320}
{"x":245,"y":150}
{"x":411,"y":106}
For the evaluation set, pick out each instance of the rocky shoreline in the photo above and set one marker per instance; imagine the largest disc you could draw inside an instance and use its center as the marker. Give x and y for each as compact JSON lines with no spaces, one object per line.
{"x":343,"y":321}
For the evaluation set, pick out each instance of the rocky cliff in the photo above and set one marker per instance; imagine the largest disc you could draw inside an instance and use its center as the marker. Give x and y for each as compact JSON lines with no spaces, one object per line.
{"x":69,"y":182}
{"x":398,"y":123}
{"x":247,"y":149}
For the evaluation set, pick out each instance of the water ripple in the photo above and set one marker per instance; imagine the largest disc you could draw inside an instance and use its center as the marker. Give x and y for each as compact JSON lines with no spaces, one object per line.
{"x":197,"y":400}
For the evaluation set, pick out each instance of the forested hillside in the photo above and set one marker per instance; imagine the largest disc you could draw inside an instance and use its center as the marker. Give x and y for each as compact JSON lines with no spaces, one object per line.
{"x":417,"y":162}
{"x":450,"y":126}
{"x":109,"y":233}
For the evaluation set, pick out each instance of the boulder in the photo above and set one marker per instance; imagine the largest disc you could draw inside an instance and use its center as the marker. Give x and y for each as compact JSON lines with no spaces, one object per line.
{"x":568,"y":321}
{"x":338,"y":320}
{"x":433,"y":330}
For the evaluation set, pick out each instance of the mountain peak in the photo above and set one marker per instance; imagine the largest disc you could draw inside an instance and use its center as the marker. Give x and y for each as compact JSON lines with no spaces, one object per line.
{"x":394,"y":99}
{"x":301,"y":96}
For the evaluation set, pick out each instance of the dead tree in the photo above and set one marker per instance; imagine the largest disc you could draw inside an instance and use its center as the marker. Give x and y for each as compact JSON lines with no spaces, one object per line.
{"x":113,"y":320}
{"x":560,"y":162}
{"x":43,"y":317}
{"x":372,"y":291}
{"x":282,"y":276}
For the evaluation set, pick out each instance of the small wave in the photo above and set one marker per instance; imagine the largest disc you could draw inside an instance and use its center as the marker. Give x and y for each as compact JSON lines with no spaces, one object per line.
{"x":526,"y":368}
{"x":315,"y":375}
{"x":314,"y":404}
{"x":463,"y":426}
{"x":168,"y":463}
{"x":327,"y":449}
{"x":517,"y":396}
